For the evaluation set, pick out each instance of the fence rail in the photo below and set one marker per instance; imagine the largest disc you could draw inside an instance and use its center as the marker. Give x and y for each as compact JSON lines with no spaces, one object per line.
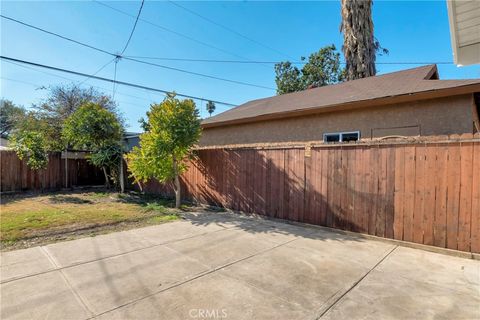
{"x":422,"y":193}
{"x":17,"y":176}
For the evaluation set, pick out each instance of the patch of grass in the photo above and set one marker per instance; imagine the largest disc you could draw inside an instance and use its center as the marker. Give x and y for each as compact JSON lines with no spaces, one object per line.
{"x":154,"y":206}
{"x":162,"y":218}
{"x":37,"y":216}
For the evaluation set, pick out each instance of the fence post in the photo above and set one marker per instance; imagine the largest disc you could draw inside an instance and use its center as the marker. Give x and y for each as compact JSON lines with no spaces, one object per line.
{"x":66,"y":168}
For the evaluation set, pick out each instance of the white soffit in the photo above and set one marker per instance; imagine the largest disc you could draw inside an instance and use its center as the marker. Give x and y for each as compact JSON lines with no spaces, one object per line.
{"x":464,"y":16}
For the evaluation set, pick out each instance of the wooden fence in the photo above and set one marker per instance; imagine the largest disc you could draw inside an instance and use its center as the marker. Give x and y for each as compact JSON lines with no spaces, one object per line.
{"x":17,"y":176}
{"x":426,"y":193}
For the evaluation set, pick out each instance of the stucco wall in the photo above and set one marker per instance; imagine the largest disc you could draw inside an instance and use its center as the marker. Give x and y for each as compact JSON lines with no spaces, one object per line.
{"x":430,"y":117}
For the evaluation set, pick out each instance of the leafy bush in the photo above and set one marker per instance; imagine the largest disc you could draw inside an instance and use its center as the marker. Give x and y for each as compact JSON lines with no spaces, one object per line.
{"x":30,"y":146}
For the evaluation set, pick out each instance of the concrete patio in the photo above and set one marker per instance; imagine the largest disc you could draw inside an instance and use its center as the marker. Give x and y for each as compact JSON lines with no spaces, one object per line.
{"x":219,"y":265}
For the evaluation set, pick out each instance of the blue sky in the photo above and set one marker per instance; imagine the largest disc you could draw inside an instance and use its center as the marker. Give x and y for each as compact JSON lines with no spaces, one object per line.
{"x":412,"y":31}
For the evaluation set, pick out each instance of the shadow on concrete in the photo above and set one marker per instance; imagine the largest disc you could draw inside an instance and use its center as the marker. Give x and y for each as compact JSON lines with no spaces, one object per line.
{"x":255,"y":224}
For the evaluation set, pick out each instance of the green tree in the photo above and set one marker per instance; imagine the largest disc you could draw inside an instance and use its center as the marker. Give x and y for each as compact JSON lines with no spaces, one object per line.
{"x":51,"y":131}
{"x":61,"y":103}
{"x":94,"y":128}
{"x":210,"y":107}
{"x":323,"y":68}
{"x":30,"y":146}
{"x":359,"y":43}
{"x":174,"y":128}
{"x":64,"y":100}
{"x":10,"y":116}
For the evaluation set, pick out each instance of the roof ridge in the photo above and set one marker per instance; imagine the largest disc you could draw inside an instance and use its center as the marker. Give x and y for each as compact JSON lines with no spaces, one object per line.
{"x":404,"y":82}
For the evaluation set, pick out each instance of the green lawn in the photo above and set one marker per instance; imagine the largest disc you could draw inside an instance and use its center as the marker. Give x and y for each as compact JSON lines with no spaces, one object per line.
{"x":25,"y":217}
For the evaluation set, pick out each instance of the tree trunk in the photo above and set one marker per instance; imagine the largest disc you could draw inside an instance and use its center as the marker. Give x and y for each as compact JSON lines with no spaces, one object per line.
{"x":176,"y":186}
{"x":107,"y":181}
{"x":358,"y":39}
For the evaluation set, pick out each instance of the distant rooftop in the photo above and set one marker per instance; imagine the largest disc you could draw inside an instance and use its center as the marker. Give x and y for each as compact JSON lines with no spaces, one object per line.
{"x":407,"y":85}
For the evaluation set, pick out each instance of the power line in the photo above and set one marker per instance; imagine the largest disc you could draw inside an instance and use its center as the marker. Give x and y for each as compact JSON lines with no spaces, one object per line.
{"x":37,"y":87}
{"x":111,"y":80}
{"x":173,"y":31}
{"x":96,"y":72}
{"x":114,"y":78}
{"x":73,"y":81}
{"x":269,"y":62}
{"x":199,"y":74}
{"x":228,"y":29}
{"x":133,"y":29}
{"x":56,"y":35}
{"x":41,"y":87}
{"x":136,"y":60}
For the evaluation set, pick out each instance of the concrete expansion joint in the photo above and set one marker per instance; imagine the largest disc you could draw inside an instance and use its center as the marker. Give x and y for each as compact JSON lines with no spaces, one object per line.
{"x":197,"y":276}
{"x":50,"y":258}
{"x":57,"y":266}
{"x":355,"y":284}
{"x":77,"y":296}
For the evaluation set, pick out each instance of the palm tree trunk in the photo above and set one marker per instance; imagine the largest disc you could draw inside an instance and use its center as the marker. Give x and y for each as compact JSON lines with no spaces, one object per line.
{"x":359,"y":46}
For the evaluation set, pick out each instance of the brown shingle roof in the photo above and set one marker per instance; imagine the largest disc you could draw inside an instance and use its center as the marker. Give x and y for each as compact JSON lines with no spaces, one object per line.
{"x":408,"y":84}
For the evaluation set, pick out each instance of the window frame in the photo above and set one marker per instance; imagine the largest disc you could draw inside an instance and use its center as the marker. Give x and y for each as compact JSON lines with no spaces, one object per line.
{"x":340,"y":134}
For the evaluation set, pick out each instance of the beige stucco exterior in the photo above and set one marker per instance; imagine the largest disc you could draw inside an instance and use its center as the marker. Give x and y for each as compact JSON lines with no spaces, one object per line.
{"x":442,"y":116}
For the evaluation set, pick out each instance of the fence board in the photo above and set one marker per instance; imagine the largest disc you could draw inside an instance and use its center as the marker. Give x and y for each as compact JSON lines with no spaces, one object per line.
{"x":390,"y":190}
{"x":453,"y":195}
{"x":399,"y":193}
{"x":382,"y":192}
{"x":465,"y":207}
{"x":429,"y":194}
{"x":350,"y":188}
{"x":440,"y":228}
{"x":373,"y":189}
{"x":475,"y":236}
{"x":419,"y":194}
{"x":409,"y":199}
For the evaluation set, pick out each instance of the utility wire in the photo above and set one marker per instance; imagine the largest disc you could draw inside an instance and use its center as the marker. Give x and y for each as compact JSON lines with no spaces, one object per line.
{"x":136,"y":60}
{"x":123,"y":51}
{"x":199,"y":74}
{"x":187,"y":59}
{"x":133,"y":29}
{"x":226,"y":51}
{"x":96,"y":72}
{"x":73,"y":81}
{"x":41,"y":87}
{"x":114,"y":78}
{"x":173,"y":31}
{"x":228,"y":29}
{"x":56,"y":34}
{"x":37,"y":87}
{"x":266,"y":62}
{"x":129,"y":84}
{"x":117,"y":59}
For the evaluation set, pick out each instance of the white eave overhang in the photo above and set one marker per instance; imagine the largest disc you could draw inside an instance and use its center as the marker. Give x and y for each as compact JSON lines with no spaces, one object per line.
{"x":464,"y":17}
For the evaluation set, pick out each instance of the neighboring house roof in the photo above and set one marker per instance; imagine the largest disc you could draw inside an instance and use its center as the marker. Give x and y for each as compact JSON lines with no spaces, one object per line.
{"x":128,"y":135}
{"x":412,"y":84}
{"x":464,"y":18}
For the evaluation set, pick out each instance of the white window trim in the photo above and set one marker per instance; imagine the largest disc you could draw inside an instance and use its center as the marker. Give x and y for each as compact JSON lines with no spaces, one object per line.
{"x":341,"y":133}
